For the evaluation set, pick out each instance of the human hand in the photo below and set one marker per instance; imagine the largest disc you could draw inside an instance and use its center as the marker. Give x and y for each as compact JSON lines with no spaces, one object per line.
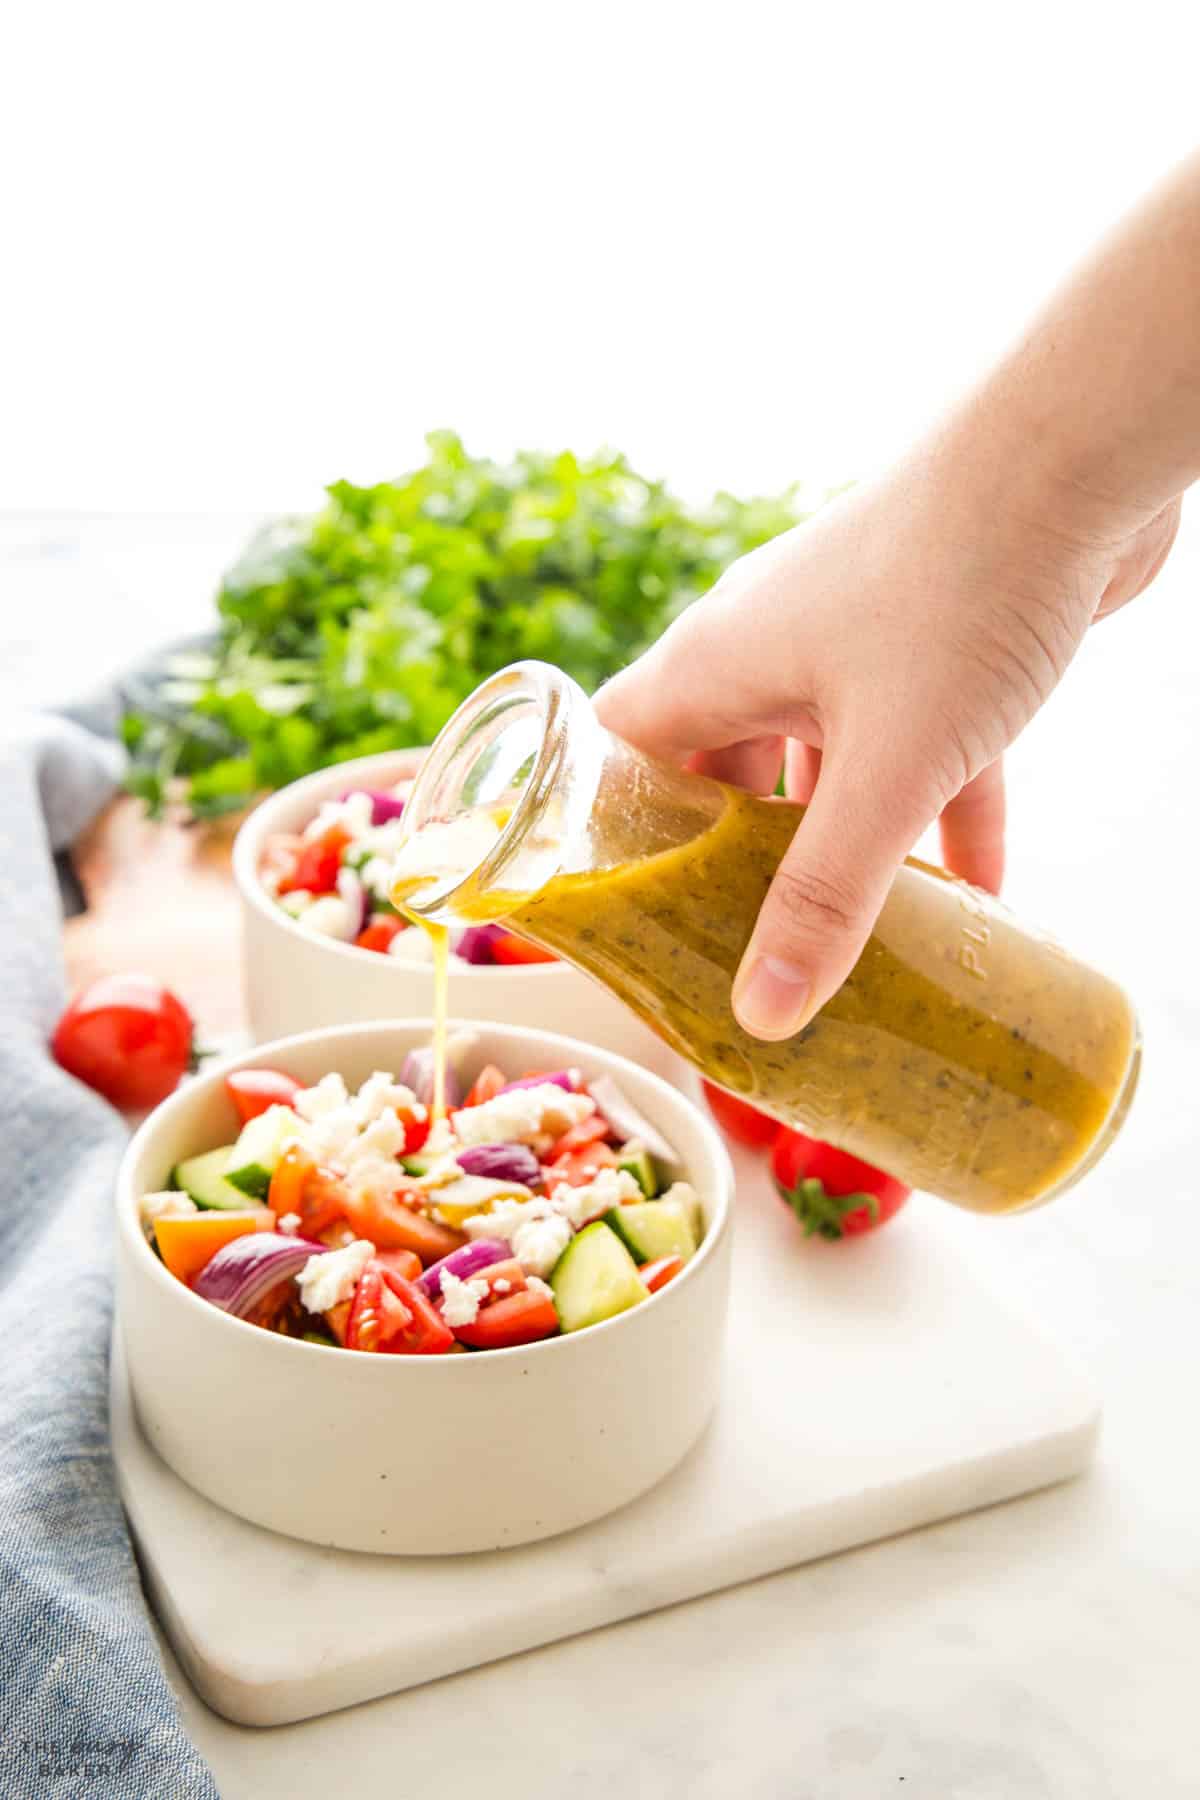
{"x":886,"y":653}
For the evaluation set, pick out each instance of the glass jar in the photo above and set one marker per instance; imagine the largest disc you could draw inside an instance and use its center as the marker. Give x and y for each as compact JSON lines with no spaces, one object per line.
{"x":965,"y":1054}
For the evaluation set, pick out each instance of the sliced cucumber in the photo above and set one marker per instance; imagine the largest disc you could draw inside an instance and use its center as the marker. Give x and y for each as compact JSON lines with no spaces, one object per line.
{"x":418,"y":1164}
{"x":253,"y":1180}
{"x":256,"y":1154}
{"x":637,"y":1161}
{"x":595,"y":1278}
{"x":653,"y":1228}
{"x":203,"y":1177}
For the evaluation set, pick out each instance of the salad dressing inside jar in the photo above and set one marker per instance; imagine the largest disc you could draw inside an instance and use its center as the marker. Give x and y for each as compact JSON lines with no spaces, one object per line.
{"x":965,"y":1053}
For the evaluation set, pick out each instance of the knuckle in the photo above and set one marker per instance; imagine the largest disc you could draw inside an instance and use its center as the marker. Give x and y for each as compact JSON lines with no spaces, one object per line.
{"x":809,"y":901}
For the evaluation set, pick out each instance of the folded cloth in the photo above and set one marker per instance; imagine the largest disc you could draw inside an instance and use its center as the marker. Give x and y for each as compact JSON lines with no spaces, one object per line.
{"x":86,"y":1706}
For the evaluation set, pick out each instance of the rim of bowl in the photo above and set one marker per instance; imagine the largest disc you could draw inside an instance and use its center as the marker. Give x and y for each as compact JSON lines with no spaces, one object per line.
{"x":247,"y":851}
{"x":129,"y":1222}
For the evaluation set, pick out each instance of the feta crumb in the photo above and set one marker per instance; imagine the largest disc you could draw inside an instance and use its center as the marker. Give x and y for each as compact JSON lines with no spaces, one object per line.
{"x":297,"y":902}
{"x":353,"y":814}
{"x":538,"y":1243}
{"x":502,"y":1286}
{"x":442,"y":1139}
{"x":608,"y":1187}
{"x":503,"y":1219}
{"x":289,"y":1224}
{"x":314,"y":1102}
{"x":170,"y":1204}
{"x":461,"y":1299}
{"x":326,"y":1280}
{"x":523,"y":1115}
{"x":331,"y":917}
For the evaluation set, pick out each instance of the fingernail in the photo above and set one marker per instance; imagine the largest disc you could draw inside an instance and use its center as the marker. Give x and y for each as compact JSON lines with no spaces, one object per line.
{"x":771,"y":998}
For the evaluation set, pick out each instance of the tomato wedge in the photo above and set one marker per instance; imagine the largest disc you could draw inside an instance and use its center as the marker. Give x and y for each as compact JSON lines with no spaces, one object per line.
{"x":379,"y":931}
{"x":405,"y":1263}
{"x":578,"y":1167}
{"x":487,"y":1084}
{"x":516,"y":1319}
{"x":301,"y":1186}
{"x":391,"y":1225}
{"x":508,"y":948}
{"x":254,"y":1090}
{"x":588,"y":1131}
{"x":392,"y":1316}
{"x":657,"y":1274}
{"x":318,"y":865}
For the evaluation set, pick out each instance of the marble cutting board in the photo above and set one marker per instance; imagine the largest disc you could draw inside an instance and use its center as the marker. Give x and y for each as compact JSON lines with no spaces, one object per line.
{"x":869,"y":1388}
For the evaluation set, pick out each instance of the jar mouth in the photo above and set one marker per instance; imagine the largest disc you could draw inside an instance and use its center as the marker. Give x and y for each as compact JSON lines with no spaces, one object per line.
{"x":525,"y":748}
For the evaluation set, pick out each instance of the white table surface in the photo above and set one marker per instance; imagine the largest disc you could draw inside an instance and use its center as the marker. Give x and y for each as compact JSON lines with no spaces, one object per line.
{"x":1045,"y":1648}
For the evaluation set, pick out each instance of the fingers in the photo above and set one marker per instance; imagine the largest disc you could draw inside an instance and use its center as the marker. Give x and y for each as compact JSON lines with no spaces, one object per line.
{"x":972,"y":828}
{"x":753,"y":764}
{"x":863,"y":819}
{"x":803,"y":766}
{"x":675,"y":699}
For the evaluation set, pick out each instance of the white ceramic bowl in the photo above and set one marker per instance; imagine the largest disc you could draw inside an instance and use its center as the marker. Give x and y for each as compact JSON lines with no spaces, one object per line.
{"x":420,"y":1455}
{"x":297,"y":981}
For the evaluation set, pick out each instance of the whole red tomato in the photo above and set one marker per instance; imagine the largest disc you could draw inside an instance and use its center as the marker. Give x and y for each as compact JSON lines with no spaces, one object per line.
{"x":833,"y":1194}
{"x":128,"y":1037}
{"x":741,"y":1120}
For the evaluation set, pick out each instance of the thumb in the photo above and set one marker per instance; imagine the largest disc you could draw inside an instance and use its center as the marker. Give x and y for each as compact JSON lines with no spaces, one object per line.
{"x":864,"y":818}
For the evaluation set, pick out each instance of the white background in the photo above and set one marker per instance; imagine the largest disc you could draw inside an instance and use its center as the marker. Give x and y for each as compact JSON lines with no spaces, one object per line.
{"x":250,"y":250}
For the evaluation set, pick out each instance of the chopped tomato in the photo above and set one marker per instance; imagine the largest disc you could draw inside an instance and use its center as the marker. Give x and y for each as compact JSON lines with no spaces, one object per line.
{"x":496,"y":1274}
{"x":741,"y":1120}
{"x":405,"y":1263}
{"x":254,"y":1090}
{"x":337,"y":1235}
{"x":520,"y":1318}
{"x":301,"y":1186}
{"x":318,"y":864}
{"x":508,"y":948}
{"x":487,"y":1085}
{"x":578,"y":1167}
{"x":415,"y":1130}
{"x":391,"y":1225}
{"x":833,"y":1194}
{"x":338,"y":1318}
{"x":657,"y":1274}
{"x":390,"y":1315}
{"x":379,"y":931}
{"x":188,"y":1244}
{"x":588,"y":1131}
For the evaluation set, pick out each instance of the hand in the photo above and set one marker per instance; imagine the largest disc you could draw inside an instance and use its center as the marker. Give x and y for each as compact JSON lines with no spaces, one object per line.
{"x":885,"y":654}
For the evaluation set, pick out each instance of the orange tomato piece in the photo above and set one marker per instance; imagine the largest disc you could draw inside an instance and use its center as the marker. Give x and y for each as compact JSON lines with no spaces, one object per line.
{"x":187,"y":1244}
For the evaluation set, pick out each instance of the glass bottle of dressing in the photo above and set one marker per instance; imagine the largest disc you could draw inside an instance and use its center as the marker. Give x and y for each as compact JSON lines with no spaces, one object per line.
{"x":965,"y":1054}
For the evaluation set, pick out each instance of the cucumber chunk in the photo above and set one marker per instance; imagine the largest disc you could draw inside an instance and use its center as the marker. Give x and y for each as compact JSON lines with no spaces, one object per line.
{"x":260,"y":1147}
{"x":595,"y":1278}
{"x":203,"y":1177}
{"x":653,"y":1228}
{"x":253,"y":1180}
{"x":637,"y":1161}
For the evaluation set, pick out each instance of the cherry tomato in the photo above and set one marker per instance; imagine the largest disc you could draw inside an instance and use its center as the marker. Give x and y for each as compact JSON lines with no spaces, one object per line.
{"x":578,"y":1167}
{"x":127,"y":1037}
{"x":254,"y":1090}
{"x":833,"y":1194}
{"x":488,"y":1083}
{"x":588,"y":1131}
{"x":379,"y":931}
{"x":742,"y":1121}
{"x":520,"y":1318}
{"x":405,"y":1263}
{"x":508,"y":948}
{"x":657,"y":1274}
{"x":299,"y":1185}
{"x":318,"y":865}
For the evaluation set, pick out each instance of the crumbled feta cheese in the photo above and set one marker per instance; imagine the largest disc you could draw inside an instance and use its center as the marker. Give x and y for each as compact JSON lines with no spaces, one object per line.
{"x":537,"y":1244}
{"x":523,"y":1115}
{"x":326,"y":1280}
{"x":608,"y":1187}
{"x":379,"y":1093}
{"x":504,"y":1217}
{"x":461,"y":1299}
{"x":170,"y":1204}
{"x":331,"y":917}
{"x":502,"y":1286}
{"x":297,"y":902}
{"x":442,"y":1139}
{"x":314,"y":1102}
{"x":352,"y":815}
{"x":289,"y":1224}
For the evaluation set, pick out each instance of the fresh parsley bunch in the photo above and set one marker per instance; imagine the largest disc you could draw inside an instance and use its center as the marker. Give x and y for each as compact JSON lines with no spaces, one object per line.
{"x":362,"y":629}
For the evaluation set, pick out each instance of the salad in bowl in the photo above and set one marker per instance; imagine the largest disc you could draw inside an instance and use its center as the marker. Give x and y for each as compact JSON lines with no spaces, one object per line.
{"x":541,"y":1203}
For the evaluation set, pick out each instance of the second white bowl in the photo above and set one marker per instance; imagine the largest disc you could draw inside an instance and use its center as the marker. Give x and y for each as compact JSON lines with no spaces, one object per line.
{"x":296,"y":981}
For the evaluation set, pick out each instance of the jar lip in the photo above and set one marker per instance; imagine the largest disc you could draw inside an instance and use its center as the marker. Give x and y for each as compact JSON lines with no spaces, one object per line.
{"x":529,"y":691}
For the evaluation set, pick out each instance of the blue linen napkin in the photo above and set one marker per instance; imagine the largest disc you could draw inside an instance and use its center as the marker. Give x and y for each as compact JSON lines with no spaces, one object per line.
{"x":86,"y":1706}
